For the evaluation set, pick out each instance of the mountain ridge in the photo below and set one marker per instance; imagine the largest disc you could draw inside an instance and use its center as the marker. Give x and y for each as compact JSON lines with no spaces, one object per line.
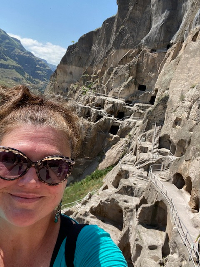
{"x":19,"y":66}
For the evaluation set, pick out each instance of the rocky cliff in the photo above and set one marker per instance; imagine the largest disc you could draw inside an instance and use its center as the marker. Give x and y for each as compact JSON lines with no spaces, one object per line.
{"x":135,"y":83}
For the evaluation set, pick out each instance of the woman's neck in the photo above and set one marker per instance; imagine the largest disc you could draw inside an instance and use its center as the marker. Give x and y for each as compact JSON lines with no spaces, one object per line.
{"x":29,"y":240}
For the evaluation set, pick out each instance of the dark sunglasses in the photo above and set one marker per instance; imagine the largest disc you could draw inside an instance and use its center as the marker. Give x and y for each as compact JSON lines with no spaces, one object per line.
{"x":51,"y":170}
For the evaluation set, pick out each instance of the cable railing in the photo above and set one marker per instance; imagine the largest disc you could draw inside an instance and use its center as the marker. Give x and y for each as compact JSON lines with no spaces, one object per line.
{"x":194,"y":255}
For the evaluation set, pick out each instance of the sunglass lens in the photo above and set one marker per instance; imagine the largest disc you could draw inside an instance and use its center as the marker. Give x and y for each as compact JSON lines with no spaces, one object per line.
{"x":54,"y":171}
{"x":12,"y":165}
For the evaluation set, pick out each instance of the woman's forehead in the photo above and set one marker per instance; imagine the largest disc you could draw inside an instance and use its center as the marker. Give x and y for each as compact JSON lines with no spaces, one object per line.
{"x":37,"y":139}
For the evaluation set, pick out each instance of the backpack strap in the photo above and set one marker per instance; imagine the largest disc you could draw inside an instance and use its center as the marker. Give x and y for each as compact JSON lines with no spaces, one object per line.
{"x":70,"y":230}
{"x":71,"y":243}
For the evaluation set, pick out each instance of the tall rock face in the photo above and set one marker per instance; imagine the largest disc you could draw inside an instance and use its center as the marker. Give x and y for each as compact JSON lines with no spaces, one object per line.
{"x":137,"y":39}
{"x":135,"y":84}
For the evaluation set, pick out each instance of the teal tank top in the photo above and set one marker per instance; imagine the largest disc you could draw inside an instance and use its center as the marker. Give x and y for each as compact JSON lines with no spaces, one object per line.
{"x":94,"y":248}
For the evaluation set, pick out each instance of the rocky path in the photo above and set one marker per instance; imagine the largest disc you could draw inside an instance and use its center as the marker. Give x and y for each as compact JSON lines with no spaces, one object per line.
{"x":182,"y":214}
{"x":180,"y":200}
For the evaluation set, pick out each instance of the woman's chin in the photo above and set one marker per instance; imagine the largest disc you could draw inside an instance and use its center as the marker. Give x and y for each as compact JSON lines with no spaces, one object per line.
{"x":23,"y":218}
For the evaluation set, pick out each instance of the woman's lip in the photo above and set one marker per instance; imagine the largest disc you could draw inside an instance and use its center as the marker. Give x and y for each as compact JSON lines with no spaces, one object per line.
{"x":25,"y":198}
{"x":24,"y":195}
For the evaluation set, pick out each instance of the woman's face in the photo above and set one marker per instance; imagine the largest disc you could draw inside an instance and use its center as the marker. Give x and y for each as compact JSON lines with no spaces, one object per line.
{"x":26,"y":200}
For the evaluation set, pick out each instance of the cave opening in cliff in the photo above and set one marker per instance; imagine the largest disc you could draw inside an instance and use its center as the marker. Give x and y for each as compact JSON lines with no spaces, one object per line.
{"x":178,"y":180}
{"x":177,"y":122}
{"x":165,"y":142}
{"x":104,"y":187}
{"x":159,"y":215}
{"x":153,"y":97}
{"x":168,"y":46}
{"x":114,"y":129}
{"x":154,"y":216}
{"x":166,"y":247}
{"x":195,"y":201}
{"x":109,"y":212}
{"x":152,"y":100}
{"x":188,"y":185}
{"x":120,"y":115}
{"x":180,"y":148}
{"x":142,"y":87}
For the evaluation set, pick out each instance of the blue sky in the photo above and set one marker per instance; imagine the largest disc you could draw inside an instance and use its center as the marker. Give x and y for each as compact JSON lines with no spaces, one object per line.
{"x":47,"y":28}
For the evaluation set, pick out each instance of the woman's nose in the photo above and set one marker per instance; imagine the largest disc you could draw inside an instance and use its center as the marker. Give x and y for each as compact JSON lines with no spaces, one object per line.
{"x":30,"y":179}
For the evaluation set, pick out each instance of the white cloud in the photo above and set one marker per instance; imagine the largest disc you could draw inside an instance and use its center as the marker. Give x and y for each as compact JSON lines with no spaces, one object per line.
{"x":48,"y":51}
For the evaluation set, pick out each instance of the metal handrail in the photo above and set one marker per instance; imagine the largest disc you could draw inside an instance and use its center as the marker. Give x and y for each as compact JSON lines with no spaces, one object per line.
{"x":182,"y":230}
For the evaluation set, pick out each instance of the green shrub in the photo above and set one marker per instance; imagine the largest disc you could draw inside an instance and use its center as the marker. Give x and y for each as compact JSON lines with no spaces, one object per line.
{"x":78,"y":190}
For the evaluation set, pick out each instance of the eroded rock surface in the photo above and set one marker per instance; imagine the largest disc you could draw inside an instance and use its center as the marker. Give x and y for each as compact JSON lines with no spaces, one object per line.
{"x":135,"y":83}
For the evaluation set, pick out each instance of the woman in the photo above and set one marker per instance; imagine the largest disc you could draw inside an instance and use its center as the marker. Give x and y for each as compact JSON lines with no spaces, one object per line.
{"x":38,"y":139}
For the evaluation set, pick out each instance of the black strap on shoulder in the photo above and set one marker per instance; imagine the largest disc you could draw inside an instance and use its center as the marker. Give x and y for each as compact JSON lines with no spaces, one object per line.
{"x":71,"y":243}
{"x":69,"y":230}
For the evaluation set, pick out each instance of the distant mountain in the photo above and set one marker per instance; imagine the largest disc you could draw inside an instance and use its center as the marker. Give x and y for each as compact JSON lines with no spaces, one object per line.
{"x":51,"y":66}
{"x":19,"y":66}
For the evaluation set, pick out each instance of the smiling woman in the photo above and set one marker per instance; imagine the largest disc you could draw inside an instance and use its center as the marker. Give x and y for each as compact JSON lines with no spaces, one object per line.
{"x":38,"y":139}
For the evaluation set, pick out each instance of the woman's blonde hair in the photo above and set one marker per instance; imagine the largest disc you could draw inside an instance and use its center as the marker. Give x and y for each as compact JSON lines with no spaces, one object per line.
{"x":19,"y":106}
